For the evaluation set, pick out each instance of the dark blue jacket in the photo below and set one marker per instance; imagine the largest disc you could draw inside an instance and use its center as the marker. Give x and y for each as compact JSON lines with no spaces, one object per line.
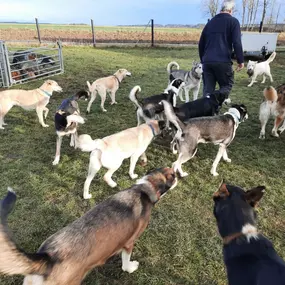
{"x":219,"y":37}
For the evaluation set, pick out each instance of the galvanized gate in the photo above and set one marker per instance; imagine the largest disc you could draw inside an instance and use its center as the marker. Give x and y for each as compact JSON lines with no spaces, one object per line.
{"x":18,"y":66}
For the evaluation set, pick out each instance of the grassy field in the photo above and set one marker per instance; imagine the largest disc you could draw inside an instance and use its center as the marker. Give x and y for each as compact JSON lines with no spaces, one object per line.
{"x":181,"y":245}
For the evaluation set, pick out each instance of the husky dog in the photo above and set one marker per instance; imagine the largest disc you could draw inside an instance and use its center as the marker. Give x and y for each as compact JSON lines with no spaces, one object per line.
{"x":217,"y":130}
{"x":250,"y":258}
{"x":191,"y":78}
{"x":109,"y":228}
{"x":150,"y":108}
{"x":102,"y":86}
{"x":274,"y":105}
{"x":255,"y":69}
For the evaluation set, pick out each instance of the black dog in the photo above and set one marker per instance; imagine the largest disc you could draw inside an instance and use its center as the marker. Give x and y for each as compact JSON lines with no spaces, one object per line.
{"x":250,"y":257}
{"x":151,"y":107}
{"x":203,"y":107}
{"x":66,"y":120}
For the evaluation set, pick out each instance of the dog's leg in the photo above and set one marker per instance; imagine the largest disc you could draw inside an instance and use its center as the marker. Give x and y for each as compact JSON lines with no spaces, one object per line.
{"x":187,"y":98}
{"x":225,"y":156}
{"x":108,"y":176}
{"x":40,"y":116}
{"x":180,"y":93}
{"x":270,"y":76}
{"x":252,"y":80}
{"x":282,"y":128}
{"x":134,"y":159}
{"x":103,"y":98}
{"x":46,"y":110}
{"x":182,"y":158}
{"x":196,"y":92}
{"x":72,"y":140}
{"x":277,"y":122}
{"x":264,"y":78}
{"x":219,"y":155}
{"x":127,"y":265}
{"x":94,"y":166}
{"x":139,"y":118}
{"x":93,"y":97}
{"x":113,"y":97}
{"x":264,"y":114}
{"x":33,"y":280}
{"x":3,"y":111}
{"x":143,"y":159}
{"x":57,"y":153}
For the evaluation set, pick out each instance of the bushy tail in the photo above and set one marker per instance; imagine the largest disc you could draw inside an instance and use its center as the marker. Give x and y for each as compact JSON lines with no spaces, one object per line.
{"x":85,"y":143}
{"x":170,"y":65}
{"x":271,"y":58}
{"x":170,"y":115}
{"x":133,"y":96}
{"x":270,"y":94}
{"x":12,"y":259}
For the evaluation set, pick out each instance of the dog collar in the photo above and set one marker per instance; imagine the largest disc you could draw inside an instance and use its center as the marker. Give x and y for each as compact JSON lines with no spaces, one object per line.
{"x":117,"y":78}
{"x":152,"y":129}
{"x":235,"y":114}
{"x":47,"y":93}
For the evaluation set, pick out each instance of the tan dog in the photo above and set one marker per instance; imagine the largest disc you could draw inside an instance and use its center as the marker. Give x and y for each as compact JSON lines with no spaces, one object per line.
{"x":105,"y":85}
{"x":28,"y":100}
{"x":109,"y":228}
{"x":110,"y":151}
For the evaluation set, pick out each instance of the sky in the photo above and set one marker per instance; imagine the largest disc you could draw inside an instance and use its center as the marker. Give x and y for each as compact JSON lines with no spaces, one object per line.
{"x":107,"y":12}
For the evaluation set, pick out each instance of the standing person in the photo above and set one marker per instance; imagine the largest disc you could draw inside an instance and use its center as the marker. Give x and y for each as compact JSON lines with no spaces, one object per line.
{"x":219,"y":37}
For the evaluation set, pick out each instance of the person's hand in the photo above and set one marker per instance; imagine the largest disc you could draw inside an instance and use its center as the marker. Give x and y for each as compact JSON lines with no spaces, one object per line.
{"x":240,"y":67}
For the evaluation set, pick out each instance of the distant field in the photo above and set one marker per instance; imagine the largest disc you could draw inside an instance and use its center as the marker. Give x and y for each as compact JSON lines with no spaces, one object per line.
{"x":104,"y":34}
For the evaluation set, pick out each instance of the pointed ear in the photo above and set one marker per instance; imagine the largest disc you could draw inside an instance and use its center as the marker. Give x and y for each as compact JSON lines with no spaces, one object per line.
{"x":254,"y":195}
{"x":222,"y":191}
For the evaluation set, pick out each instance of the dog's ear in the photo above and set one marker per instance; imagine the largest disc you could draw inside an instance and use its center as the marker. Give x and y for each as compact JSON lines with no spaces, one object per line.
{"x":254,"y":195}
{"x":222,"y":192}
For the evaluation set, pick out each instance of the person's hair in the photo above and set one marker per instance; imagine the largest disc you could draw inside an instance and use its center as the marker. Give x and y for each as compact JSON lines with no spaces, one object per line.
{"x":227,"y":6}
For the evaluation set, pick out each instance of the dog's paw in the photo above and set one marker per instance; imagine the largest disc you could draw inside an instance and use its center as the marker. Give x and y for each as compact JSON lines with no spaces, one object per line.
{"x":4,"y":124}
{"x":143,"y":163}
{"x":45,"y":125}
{"x":131,"y":266}
{"x":72,"y":144}
{"x":214,"y":172}
{"x":262,"y":136}
{"x":112,"y":184}
{"x":228,"y":160}
{"x":184,"y":174}
{"x":104,"y":110}
{"x":87,"y":196}
{"x":2,"y":128}
{"x":275,"y":134}
{"x":112,"y":103}
{"x":56,"y":161}
{"x":134,"y":176}
{"x":249,"y":85}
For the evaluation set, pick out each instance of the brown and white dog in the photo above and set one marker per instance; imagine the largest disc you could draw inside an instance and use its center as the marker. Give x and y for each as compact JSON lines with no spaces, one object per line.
{"x":109,"y":228}
{"x":110,"y":151}
{"x":274,"y":105}
{"x":28,"y":100}
{"x":105,"y":85}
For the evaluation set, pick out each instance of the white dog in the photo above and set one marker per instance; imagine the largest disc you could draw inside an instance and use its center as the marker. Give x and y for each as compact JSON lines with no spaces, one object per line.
{"x":102,"y":86}
{"x":28,"y":100}
{"x":255,"y":69}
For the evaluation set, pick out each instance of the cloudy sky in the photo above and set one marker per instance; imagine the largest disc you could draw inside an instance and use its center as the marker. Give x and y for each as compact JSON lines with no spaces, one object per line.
{"x":107,"y":12}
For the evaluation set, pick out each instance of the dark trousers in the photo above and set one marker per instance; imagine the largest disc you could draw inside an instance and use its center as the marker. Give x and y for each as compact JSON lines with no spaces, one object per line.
{"x":218,"y":72}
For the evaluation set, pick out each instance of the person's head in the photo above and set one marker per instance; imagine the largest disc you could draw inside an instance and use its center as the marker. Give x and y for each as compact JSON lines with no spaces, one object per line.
{"x":228,"y":6}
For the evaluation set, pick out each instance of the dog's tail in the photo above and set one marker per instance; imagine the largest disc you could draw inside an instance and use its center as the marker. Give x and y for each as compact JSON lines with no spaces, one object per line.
{"x":271,"y":58}
{"x":133,"y":96}
{"x":170,"y":65}
{"x":170,"y":115}
{"x":85,"y":143}
{"x":12,"y":259}
{"x":270,"y":94}
{"x":89,"y":86}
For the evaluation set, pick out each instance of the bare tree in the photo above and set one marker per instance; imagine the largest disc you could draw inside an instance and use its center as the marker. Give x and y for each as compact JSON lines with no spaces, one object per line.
{"x":250,"y":8}
{"x":210,"y":7}
{"x":255,"y":12}
{"x":265,"y":6}
{"x":244,"y":4}
{"x":270,"y":19}
{"x":277,"y":16}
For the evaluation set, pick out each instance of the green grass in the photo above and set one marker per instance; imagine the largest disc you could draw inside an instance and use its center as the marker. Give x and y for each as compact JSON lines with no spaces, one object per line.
{"x":97,"y":28}
{"x":181,"y":244}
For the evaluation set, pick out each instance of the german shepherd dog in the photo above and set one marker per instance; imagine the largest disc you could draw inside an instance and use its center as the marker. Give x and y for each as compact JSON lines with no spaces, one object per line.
{"x":250,"y":258}
{"x":66,"y":120}
{"x":217,"y":130}
{"x":111,"y":227}
{"x":150,"y":108}
{"x":274,"y":105}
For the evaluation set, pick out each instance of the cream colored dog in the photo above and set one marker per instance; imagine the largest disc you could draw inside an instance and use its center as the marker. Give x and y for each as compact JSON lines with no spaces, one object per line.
{"x":28,"y":100}
{"x":110,"y":151}
{"x":108,"y":84}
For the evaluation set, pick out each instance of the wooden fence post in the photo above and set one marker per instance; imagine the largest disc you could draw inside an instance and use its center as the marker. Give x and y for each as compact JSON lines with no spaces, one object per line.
{"x":93,"y":34}
{"x":152,"y":33}
{"x":38,"y":30}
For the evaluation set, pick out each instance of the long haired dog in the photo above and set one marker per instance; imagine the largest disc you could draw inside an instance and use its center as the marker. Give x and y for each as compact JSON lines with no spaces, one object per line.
{"x":66,"y":120}
{"x":255,"y":69}
{"x":191,"y":78}
{"x":28,"y":100}
{"x":217,"y":130}
{"x":110,"y":151}
{"x":109,"y":228}
{"x":250,"y":258}
{"x":105,"y":85}
{"x":150,"y":107}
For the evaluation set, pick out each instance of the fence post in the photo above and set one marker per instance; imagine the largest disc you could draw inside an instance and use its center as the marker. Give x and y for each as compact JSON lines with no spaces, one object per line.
{"x":38,"y":30}
{"x":152,"y":33}
{"x":260,"y":26}
{"x":93,"y":34}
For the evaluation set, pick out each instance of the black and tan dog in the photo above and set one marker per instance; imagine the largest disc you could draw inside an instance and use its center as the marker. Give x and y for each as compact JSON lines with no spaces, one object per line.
{"x":66,"y":119}
{"x":250,"y":258}
{"x":111,"y":227}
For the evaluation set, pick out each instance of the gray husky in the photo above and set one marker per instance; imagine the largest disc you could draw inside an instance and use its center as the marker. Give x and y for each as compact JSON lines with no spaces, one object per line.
{"x":191,"y":78}
{"x":217,"y":130}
